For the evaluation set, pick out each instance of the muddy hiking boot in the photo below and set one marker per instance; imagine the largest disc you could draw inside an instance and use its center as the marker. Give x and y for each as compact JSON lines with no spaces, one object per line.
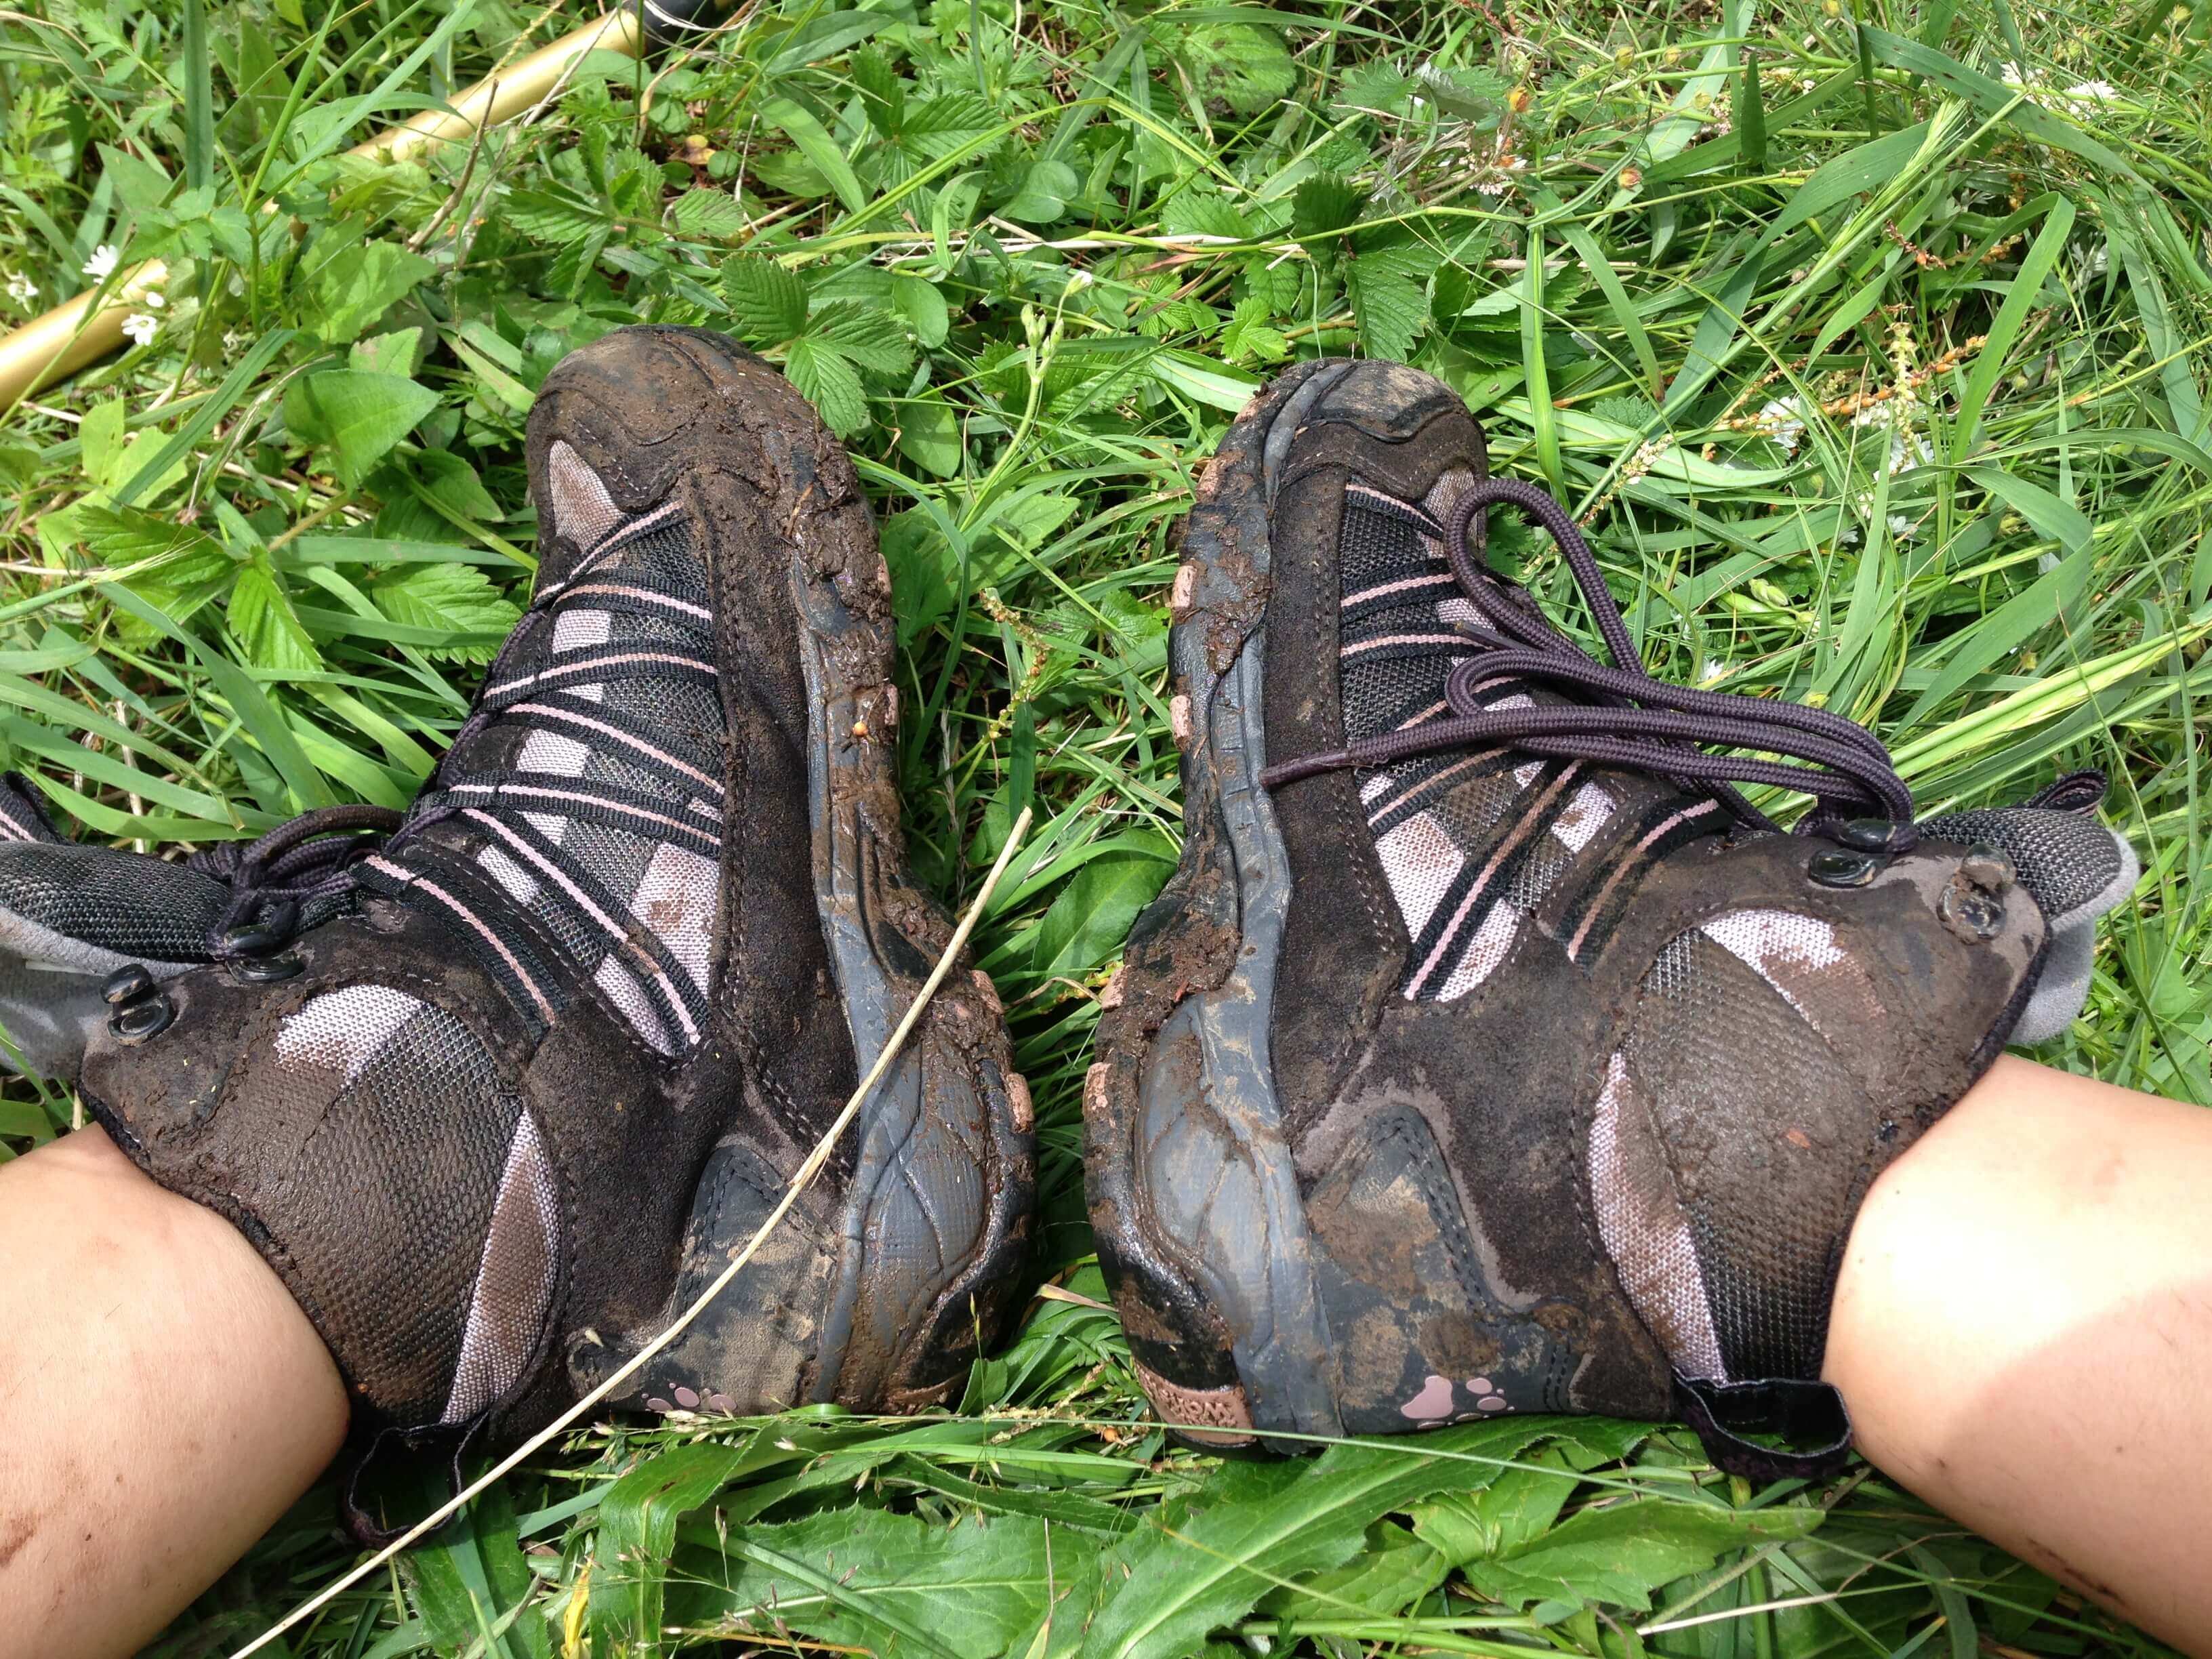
{"x":1488,"y":1052}
{"x":497,"y":1088}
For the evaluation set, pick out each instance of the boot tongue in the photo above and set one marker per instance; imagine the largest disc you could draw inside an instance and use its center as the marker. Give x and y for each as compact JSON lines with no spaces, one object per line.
{"x":1397,"y":628}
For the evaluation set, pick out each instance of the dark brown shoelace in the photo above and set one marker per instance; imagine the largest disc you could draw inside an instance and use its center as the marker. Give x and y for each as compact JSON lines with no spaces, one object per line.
{"x":1622,"y":716}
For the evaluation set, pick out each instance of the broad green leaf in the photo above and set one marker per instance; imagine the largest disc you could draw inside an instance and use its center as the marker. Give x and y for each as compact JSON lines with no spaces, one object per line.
{"x":399,"y":352}
{"x":357,"y":415}
{"x":826,"y":379}
{"x":891,"y":1585}
{"x":1202,"y":1562}
{"x":456,"y":600}
{"x":264,"y":624}
{"x":1246,"y":67}
{"x":1392,"y":1569}
{"x":767,"y":303}
{"x":1090,"y":917}
{"x":929,"y":435}
{"x":350,"y":293}
{"x":1751,"y":114}
{"x":2022,"y":296}
{"x":1044,"y":193}
{"x":637,"y":1529}
{"x":815,"y":143}
{"x":1617,"y":1553}
{"x":2064,"y":524}
{"x":922,"y":304}
{"x":1855,"y":172}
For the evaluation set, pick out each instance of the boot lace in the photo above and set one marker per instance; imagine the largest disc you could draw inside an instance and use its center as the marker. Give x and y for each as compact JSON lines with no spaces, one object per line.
{"x":1622,"y":715}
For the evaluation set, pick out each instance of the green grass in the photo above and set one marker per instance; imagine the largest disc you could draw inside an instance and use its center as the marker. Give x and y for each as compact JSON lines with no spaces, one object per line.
{"x":1029,"y":259}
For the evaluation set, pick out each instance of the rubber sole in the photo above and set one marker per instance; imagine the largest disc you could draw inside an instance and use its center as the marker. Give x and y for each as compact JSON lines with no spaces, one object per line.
{"x":1194,"y":1195}
{"x":884,"y":1303}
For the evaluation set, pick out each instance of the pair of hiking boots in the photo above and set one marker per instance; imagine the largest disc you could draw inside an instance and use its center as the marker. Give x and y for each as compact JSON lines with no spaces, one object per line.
{"x":1489,"y":1051}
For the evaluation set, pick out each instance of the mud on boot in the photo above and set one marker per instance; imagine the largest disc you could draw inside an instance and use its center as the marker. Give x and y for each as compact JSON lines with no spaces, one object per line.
{"x":498,"y":1090}
{"x":1488,"y":1052}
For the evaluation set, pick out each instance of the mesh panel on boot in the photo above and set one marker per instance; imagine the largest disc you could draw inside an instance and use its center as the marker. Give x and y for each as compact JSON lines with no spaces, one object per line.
{"x":129,"y":906}
{"x":409,"y":1123}
{"x":514,"y":1280}
{"x":1714,"y":1049}
{"x":2067,"y":860}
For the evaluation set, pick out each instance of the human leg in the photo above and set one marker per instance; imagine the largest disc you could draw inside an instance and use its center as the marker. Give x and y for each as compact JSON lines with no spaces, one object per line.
{"x":2023,"y":1332}
{"x":163,"y":1400}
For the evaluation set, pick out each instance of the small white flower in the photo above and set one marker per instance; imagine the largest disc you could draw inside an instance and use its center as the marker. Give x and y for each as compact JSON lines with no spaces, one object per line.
{"x":2093,"y":92}
{"x":1847,"y":538}
{"x":20,"y":288}
{"x":140,"y":327}
{"x":1902,"y":529}
{"x":1712,"y":671}
{"x":1779,"y":419}
{"x":2022,"y":79}
{"x":103,"y":263}
{"x":154,"y":300}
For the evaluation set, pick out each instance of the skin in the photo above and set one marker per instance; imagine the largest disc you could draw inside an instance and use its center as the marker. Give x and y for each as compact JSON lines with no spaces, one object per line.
{"x":164,"y":1401}
{"x":2023,"y":1330}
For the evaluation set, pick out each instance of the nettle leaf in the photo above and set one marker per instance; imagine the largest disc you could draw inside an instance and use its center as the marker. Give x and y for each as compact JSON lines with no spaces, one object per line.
{"x":459,"y":599}
{"x":267,"y":628}
{"x":942,"y":125}
{"x":1245,"y":66}
{"x":883,"y":94}
{"x":127,"y":535}
{"x":1473,"y":94}
{"x":357,"y":415}
{"x":1197,"y":211}
{"x":710,"y":214}
{"x":1324,"y":204}
{"x":1249,"y":337}
{"x":826,"y":379}
{"x":350,"y":292}
{"x":767,"y":303}
{"x":1274,"y":281}
{"x":1393,"y":310}
{"x":545,"y":217}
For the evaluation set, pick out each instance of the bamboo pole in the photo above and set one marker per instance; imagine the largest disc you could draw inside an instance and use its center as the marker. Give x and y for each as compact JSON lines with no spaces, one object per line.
{"x":81,"y":331}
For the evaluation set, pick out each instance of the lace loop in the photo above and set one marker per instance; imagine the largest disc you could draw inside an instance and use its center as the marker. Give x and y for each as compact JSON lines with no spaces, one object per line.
{"x":283,"y":871}
{"x":1622,"y":716}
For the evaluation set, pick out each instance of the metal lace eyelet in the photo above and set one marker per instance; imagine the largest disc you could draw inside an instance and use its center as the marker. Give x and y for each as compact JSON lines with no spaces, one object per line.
{"x":1864,"y":834}
{"x":148,"y":1017}
{"x":127,"y":984}
{"x":264,"y":970}
{"x":1841,"y":868}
